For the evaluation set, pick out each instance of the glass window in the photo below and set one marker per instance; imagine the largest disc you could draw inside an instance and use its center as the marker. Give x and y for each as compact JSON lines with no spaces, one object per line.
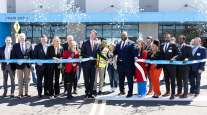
{"x":107,"y":31}
{"x":27,"y":30}
{"x":59,"y":31}
{"x":98,"y":29}
{"x":36,"y":31}
{"x":46,"y":31}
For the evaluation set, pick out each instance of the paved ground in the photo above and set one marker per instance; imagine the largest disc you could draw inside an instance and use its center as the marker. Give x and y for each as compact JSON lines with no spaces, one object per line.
{"x":108,"y":104}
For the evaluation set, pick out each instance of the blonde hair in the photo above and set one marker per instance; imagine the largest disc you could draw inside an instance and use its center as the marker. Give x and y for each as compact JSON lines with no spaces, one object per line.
{"x":56,"y":38}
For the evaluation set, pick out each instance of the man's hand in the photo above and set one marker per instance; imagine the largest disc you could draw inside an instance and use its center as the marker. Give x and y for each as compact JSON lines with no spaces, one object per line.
{"x":171,"y":61}
{"x":136,"y":59}
{"x":185,"y":60}
{"x":200,"y":71}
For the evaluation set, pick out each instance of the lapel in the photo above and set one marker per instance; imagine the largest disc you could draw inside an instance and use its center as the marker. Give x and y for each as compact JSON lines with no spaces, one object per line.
{"x":89,"y":42}
{"x":20,"y":48}
{"x":125,"y":45}
{"x":42,"y":49}
{"x":4,"y":47}
{"x":197,"y":50}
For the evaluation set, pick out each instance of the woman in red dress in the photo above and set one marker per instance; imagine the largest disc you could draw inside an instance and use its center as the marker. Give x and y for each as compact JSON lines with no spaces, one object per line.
{"x":141,"y":69}
{"x":70,"y":68}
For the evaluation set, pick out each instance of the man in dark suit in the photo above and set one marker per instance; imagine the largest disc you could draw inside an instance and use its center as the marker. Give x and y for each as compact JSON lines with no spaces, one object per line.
{"x":184,"y":54}
{"x":125,"y":50}
{"x":40,"y":52}
{"x":22,"y":51}
{"x":168,"y":50}
{"x":55,"y":52}
{"x":89,"y":49}
{"x":7,"y":68}
{"x":198,"y":53}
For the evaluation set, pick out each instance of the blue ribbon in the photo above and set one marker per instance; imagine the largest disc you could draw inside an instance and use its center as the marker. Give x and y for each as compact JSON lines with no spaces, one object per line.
{"x":171,"y":62}
{"x":49,"y":61}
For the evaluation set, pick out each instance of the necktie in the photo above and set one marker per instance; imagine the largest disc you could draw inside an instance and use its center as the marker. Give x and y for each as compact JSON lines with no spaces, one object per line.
{"x":23,"y":50}
{"x":194,"y":50}
{"x":123,"y":43}
{"x":92,"y":44}
{"x":166,"y":46}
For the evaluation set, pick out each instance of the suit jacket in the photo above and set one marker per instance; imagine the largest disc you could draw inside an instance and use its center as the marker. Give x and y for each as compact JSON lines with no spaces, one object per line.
{"x":171,"y":51}
{"x":16,"y":53}
{"x":184,"y":52}
{"x":126,"y":55}
{"x":86,"y":52}
{"x":51,"y":54}
{"x":2,"y":56}
{"x":39,"y":53}
{"x":199,"y":54}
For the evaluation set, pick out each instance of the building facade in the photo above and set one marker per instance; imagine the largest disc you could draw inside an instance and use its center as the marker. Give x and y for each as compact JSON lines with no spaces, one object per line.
{"x":140,"y":18}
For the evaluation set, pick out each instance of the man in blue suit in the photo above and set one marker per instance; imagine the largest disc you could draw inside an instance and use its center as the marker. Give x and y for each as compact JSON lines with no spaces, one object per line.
{"x":89,"y":49}
{"x":198,"y":53}
{"x":127,"y":53}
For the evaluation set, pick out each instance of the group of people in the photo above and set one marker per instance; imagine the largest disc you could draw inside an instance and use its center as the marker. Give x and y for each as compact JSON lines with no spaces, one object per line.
{"x":119,"y":59}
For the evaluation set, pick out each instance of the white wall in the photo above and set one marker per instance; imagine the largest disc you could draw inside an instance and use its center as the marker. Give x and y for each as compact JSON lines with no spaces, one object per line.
{"x":175,"y":5}
{"x":3,"y":6}
{"x":31,"y":5}
{"x":104,"y":5}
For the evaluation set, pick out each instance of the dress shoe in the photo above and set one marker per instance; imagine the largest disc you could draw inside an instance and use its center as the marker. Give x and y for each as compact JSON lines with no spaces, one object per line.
{"x":40,"y":96}
{"x":196,"y":95}
{"x":70,"y":97}
{"x":91,"y":97}
{"x":172,"y":97}
{"x":121,"y":93}
{"x":178,"y":94}
{"x":129,"y":95}
{"x":74,"y":92}
{"x":183,"y":96}
{"x":20,"y":96}
{"x":155,"y":96}
{"x":94,"y":92}
{"x":166,"y":94}
{"x":12,"y":96}
{"x":100,"y":93}
{"x":26,"y":95}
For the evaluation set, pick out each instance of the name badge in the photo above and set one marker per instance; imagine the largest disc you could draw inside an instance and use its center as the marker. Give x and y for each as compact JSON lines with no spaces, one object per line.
{"x":198,"y":54}
{"x":170,"y":51}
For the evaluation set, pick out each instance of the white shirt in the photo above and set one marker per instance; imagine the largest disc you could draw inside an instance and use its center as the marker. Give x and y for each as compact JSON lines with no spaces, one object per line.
{"x":45,"y":48}
{"x":194,"y":50}
{"x":92,"y":43}
{"x":7,"y":51}
{"x":22,"y":48}
{"x":56,"y":51}
{"x":166,"y":46}
{"x":123,"y":43}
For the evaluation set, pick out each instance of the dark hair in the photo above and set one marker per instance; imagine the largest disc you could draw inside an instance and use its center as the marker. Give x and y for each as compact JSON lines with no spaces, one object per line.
{"x":156,"y":42}
{"x":167,"y":33}
{"x":182,"y":36}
